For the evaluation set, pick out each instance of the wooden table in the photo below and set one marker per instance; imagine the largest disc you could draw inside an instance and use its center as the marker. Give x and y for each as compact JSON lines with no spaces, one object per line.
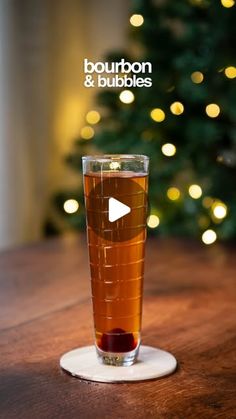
{"x":189,"y":309}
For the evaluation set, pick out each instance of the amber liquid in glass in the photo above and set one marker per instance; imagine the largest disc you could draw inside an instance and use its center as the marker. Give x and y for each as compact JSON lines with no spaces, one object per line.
{"x":116,"y":266}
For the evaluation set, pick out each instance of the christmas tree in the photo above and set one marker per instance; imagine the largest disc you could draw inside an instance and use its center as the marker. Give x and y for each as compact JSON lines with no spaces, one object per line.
{"x":185,"y":122}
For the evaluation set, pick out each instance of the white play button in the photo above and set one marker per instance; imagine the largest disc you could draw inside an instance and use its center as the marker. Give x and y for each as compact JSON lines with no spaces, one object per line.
{"x":116,"y":209}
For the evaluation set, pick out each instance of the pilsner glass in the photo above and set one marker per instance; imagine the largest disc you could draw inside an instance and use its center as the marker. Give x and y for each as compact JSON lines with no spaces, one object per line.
{"x":116,"y":251}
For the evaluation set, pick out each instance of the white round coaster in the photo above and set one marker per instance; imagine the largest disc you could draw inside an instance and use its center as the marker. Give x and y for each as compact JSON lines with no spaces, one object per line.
{"x":151,"y":363}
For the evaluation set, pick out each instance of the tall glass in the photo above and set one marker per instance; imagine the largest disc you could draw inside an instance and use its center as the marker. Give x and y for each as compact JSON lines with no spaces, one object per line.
{"x":116,"y":243}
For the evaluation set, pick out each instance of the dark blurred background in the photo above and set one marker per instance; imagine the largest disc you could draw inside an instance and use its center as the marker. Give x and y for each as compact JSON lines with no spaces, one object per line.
{"x":185,"y":122}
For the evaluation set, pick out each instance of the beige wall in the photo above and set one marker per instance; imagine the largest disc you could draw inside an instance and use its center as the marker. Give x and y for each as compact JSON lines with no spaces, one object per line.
{"x":79,"y":29}
{"x":43,"y":101}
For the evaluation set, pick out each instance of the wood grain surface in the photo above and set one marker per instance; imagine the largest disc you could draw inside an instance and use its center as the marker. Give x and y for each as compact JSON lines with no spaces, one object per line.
{"x":189,"y":310}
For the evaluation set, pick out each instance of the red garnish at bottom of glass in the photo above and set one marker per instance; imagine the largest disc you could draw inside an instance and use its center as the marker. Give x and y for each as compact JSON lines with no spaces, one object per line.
{"x":117,"y":340}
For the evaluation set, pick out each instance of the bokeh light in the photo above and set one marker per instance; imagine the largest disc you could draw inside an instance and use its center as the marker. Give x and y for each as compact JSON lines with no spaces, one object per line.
{"x":126,"y":96}
{"x":177,"y":108}
{"x":207,"y":202}
{"x":168,"y":149}
{"x":212,"y":110}
{"x":195,"y":191}
{"x":136,"y":20}
{"x":173,"y":193}
{"x":230,"y":72}
{"x":197,"y":77}
{"x":219,"y":210}
{"x":227,"y":3}
{"x":93,"y":117}
{"x":153,"y":221}
{"x":209,"y":236}
{"x":87,"y":132}
{"x":70,"y":206}
{"x":158,"y":115}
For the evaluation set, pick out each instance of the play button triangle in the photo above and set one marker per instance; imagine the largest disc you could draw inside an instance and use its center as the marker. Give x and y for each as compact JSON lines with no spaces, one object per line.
{"x":116,"y":209}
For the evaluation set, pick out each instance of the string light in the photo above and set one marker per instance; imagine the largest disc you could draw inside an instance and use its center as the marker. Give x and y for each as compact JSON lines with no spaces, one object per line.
{"x":230,"y":72}
{"x":153,"y":221}
{"x":177,"y":108}
{"x":219,"y":210}
{"x":195,"y":191}
{"x":197,"y":77}
{"x":70,"y":206}
{"x":126,"y":96}
{"x":136,"y":20}
{"x":209,"y":237}
{"x":227,"y":3}
{"x":212,"y":110}
{"x":93,"y":117}
{"x":158,"y":115}
{"x":173,"y":193}
{"x":168,"y":149}
{"x":87,"y":132}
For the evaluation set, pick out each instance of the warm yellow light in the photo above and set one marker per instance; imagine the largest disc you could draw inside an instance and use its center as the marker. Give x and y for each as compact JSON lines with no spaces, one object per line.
{"x":70,"y":206}
{"x":173,"y":193}
{"x":197,"y":77}
{"x":136,"y":20}
{"x":195,"y":191}
{"x":177,"y":108}
{"x":209,"y":237}
{"x":126,"y":96}
{"x":168,"y":149}
{"x":158,"y":115}
{"x":230,"y":72}
{"x":114,"y":165}
{"x":207,"y":201}
{"x":212,"y":110}
{"x":87,"y":133}
{"x":227,"y":3}
{"x":93,"y":117}
{"x":219,"y":210}
{"x":153,"y":221}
